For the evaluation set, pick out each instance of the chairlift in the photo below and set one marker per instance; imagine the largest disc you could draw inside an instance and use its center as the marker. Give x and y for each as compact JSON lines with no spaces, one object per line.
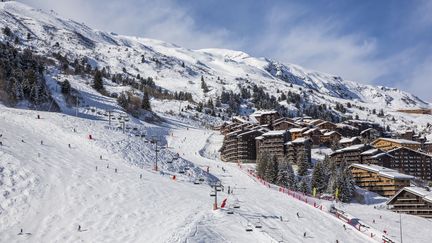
{"x":230,"y":211}
{"x":181,"y":172}
{"x":258,"y":225}
{"x":249,"y":227}
{"x":135,"y":129}
{"x":201,"y":179}
{"x":218,"y":189}
{"x":186,"y":168}
{"x":197,"y":182}
{"x":169,"y":161}
{"x":212,"y":194}
{"x":236,"y":205}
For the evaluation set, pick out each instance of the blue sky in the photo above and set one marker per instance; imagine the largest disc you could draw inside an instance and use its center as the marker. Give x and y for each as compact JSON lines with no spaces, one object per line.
{"x":371,"y":41}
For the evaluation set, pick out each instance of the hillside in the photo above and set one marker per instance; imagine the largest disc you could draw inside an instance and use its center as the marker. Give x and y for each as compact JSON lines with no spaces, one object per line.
{"x":176,"y":69}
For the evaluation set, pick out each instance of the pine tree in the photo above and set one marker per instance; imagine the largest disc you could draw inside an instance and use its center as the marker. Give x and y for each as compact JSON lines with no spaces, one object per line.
{"x":302,"y":162}
{"x":291,"y":178}
{"x":319,"y":177}
{"x":271,"y":170}
{"x":65,"y":87}
{"x":303,"y":185}
{"x":282,"y":176}
{"x":146,"y":102}
{"x":346,"y":186}
{"x":97,"y":81}
{"x":122,"y":100}
{"x":204,"y":86}
{"x":262,"y":160}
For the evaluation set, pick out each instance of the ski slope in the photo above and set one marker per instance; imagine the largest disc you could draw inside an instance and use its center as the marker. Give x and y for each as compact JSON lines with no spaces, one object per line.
{"x":258,"y":204}
{"x":49,"y":196}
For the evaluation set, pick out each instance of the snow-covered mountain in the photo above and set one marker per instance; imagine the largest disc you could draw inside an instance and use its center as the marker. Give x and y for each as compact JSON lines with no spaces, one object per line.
{"x":180,"y":69}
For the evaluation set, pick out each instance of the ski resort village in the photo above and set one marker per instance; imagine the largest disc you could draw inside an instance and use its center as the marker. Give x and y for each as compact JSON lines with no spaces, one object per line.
{"x":112,"y":138}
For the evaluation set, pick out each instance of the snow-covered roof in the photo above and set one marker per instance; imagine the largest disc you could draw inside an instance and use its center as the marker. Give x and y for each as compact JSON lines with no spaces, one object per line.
{"x":416,"y":151}
{"x":380,"y":155}
{"x":342,"y":125}
{"x":347,"y":140}
{"x":366,"y":130}
{"x":233,"y":132}
{"x":302,"y":129}
{"x":247,"y":132}
{"x":350,"y":148}
{"x":259,"y":138}
{"x":274,"y":133}
{"x":240,"y":119}
{"x":400,"y":141}
{"x":310,"y":131}
{"x":299,"y":140}
{"x":383,"y":171}
{"x":330,"y":133}
{"x":370,"y":151}
{"x":419,"y":191}
{"x":263,"y":112}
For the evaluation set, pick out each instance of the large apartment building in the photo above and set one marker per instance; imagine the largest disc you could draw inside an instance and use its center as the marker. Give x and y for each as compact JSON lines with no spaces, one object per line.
{"x":349,"y":155}
{"x":246,"y":146}
{"x":411,"y":162}
{"x":412,"y":200}
{"x":272,"y":142}
{"x":265,"y":117}
{"x":387,"y":144}
{"x":384,"y":181}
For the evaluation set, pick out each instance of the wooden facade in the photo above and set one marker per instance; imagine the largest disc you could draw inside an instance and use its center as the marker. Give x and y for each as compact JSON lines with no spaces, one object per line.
{"x":272,"y":142}
{"x":349,"y":155}
{"x":412,"y":200}
{"x":387,"y":144}
{"x":381,"y":180}
{"x":411,"y":162}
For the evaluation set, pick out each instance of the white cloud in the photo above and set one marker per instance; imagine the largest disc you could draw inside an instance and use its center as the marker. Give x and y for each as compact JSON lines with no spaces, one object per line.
{"x":319,"y":46}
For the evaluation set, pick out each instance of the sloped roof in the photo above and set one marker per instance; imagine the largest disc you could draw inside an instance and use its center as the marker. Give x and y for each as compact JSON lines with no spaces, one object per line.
{"x":400,"y":141}
{"x":419,"y":191}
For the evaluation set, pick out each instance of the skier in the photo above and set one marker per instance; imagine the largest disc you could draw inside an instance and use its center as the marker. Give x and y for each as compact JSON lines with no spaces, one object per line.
{"x":229,"y":190}
{"x":281,"y":218}
{"x":344,"y":227}
{"x":107,"y":166}
{"x":1,"y":143}
{"x":21,"y":232}
{"x":69,"y":145}
{"x":373,"y":221}
{"x":74,"y":130}
{"x":304,"y":234}
{"x":298,"y":215}
{"x":100,"y":157}
{"x":96,"y":168}
{"x":115,"y":170}
{"x":79,"y":228}
{"x":140,"y":176}
{"x":22,"y":140}
{"x":41,"y":142}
